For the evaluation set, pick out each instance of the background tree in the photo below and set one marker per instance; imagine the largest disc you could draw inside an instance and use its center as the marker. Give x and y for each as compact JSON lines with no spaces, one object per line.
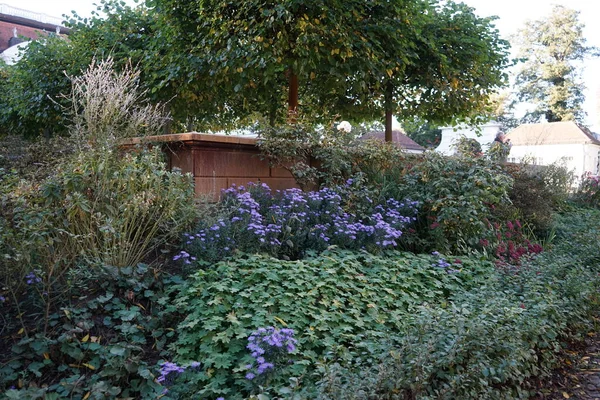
{"x":423,"y":132}
{"x":552,"y":49}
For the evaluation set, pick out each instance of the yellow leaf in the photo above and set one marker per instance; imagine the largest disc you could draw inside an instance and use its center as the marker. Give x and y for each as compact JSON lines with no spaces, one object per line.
{"x":85,"y":338}
{"x":240,"y":69}
{"x":87,"y":395}
{"x":565,"y":395}
{"x":389,"y":72}
{"x":46,"y":356}
{"x":313,"y":75}
{"x":282,"y":322}
{"x":90,"y":366}
{"x":138,"y":304}
{"x":21,"y":331}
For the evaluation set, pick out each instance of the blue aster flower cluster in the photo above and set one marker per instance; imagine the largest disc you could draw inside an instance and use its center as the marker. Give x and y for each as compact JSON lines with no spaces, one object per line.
{"x":31,"y":278}
{"x":269,"y":346}
{"x":169,"y":371}
{"x":441,"y":262}
{"x":288,"y":223}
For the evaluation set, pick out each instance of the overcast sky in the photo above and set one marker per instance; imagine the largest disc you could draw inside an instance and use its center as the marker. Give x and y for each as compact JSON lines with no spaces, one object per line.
{"x":512,"y":15}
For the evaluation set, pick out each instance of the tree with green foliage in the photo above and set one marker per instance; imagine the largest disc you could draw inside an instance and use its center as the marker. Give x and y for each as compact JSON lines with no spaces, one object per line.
{"x":456,"y":63}
{"x":30,"y":90}
{"x":552,"y":49}
{"x":353,"y":58}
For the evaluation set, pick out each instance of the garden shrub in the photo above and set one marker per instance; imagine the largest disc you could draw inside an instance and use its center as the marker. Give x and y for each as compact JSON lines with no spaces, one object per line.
{"x":559,"y":180}
{"x":588,"y":192}
{"x":326,"y":156}
{"x":468,"y":147}
{"x":101,"y":208}
{"x":286,"y":224}
{"x":457,"y":196}
{"x":34,"y":159}
{"x":532,"y":197}
{"x":332,"y":301}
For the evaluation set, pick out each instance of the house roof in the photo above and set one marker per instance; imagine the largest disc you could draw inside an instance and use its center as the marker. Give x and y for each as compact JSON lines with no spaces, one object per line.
{"x":398,"y":138}
{"x":551,"y":133}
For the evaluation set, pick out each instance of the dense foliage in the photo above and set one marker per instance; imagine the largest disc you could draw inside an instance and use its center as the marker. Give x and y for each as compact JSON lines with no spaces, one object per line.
{"x":589,"y":191}
{"x":77,"y":308}
{"x":290,"y":294}
{"x":30,"y":92}
{"x":359,"y":59}
{"x":354,"y":58}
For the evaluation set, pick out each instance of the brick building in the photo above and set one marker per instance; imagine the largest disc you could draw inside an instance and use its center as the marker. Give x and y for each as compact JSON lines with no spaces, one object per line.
{"x":16,"y":25}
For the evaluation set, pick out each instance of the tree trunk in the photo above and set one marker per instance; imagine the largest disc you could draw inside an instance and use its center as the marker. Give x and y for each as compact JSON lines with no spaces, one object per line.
{"x":389,"y":111}
{"x":293,"y":97}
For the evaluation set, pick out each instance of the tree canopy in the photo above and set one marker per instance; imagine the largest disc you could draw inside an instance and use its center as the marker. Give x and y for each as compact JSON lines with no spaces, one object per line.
{"x":352,"y":57}
{"x":552,"y":49}
{"x":220,"y":64}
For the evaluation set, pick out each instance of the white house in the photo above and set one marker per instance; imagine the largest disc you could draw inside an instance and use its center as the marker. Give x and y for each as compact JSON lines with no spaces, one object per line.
{"x":485,"y":135}
{"x":546,"y":143}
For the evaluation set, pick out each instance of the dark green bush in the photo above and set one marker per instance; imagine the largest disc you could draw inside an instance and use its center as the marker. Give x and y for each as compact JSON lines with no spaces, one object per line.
{"x":104,"y":343}
{"x":531,"y":196}
{"x":456,"y":196}
{"x":30,"y":91}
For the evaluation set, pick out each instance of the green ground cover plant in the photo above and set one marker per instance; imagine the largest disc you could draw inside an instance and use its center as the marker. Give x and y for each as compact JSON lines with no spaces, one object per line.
{"x":332,"y":301}
{"x":487,"y":342}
